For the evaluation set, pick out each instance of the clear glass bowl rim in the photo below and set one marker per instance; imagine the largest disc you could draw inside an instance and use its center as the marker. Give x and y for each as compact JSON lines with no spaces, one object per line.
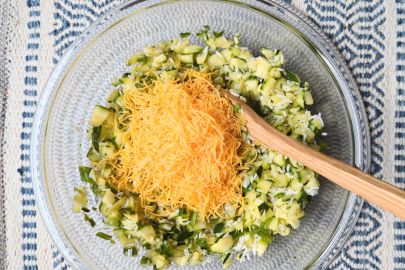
{"x":276,"y":9}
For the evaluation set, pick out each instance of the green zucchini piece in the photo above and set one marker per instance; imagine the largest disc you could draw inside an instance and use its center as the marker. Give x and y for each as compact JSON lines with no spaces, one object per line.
{"x":108,"y":198}
{"x":216,"y":60}
{"x":202,"y":56}
{"x":104,"y":236}
{"x":107,"y":128}
{"x":261,"y":247}
{"x":186,"y":58}
{"x":106,"y":149}
{"x":147,"y":233}
{"x":99,"y":115}
{"x":137,"y":58}
{"x":223,"y":245}
{"x":95,"y":137}
{"x":114,"y":94}
{"x":291,"y":76}
{"x":127,"y":83}
{"x":93,"y":155}
{"x":191,"y":49}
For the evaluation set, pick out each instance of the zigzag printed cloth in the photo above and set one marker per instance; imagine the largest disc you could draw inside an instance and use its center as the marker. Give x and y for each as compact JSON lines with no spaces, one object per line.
{"x":370,"y":34}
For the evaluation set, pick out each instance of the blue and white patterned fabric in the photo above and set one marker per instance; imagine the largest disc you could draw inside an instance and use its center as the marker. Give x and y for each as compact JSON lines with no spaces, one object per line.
{"x":370,"y":34}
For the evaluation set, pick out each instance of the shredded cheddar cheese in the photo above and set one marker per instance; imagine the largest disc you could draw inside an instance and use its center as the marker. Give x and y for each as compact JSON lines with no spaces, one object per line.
{"x":181,"y":147}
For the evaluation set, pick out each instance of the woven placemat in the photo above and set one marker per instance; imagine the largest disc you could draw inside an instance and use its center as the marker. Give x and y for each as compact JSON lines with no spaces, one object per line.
{"x":370,"y":34}
{"x":3,"y":96}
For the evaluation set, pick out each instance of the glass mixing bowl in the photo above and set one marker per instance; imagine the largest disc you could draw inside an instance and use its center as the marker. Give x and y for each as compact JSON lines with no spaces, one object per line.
{"x":82,"y":79}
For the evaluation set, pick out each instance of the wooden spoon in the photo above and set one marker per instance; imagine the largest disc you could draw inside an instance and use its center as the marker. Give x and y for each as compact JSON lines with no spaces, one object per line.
{"x":366,"y":186}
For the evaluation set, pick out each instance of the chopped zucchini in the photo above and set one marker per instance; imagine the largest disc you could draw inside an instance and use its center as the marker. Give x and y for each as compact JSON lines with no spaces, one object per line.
{"x":308,"y":99}
{"x":186,"y":58}
{"x":114,"y":94}
{"x":264,"y":186}
{"x":106,"y":149}
{"x":223,"y":43}
{"x":223,"y":245}
{"x":123,"y":238}
{"x":93,"y":155}
{"x":261,"y":247}
{"x":100,"y":114}
{"x":107,"y":128}
{"x":202,"y":56}
{"x":181,"y":261}
{"x":216,"y":60}
{"x":127,"y":83}
{"x":191,"y":49}
{"x":136,"y":59}
{"x":159,"y":261}
{"x":196,"y":258}
{"x":108,"y":198}
{"x":147,"y":233}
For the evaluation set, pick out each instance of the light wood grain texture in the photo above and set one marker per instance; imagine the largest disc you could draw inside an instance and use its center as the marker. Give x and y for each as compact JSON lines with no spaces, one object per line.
{"x":366,"y":186}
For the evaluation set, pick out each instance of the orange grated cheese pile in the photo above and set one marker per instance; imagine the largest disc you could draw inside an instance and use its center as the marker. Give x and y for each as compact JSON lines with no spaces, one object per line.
{"x":181,"y":147}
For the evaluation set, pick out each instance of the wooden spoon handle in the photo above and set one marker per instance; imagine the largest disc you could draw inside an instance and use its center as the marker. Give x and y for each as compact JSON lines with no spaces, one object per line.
{"x":366,"y":186}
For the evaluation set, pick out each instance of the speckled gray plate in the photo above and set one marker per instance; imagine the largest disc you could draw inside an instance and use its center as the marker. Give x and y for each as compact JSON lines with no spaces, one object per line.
{"x":82,"y":79}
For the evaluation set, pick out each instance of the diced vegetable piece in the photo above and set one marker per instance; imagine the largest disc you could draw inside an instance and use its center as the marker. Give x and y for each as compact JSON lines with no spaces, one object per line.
{"x":93,"y":155}
{"x":119,"y":101}
{"x":104,"y":236}
{"x":268,"y":86}
{"x":119,"y":204}
{"x":239,"y":64}
{"x":108,"y":198}
{"x":160,"y":58}
{"x":106,"y":149}
{"x":308,"y":98}
{"x":179,"y":44}
{"x":223,"y":43}
{"x":227,"y":262}
{"x":169,"y":75}
{"x":186,"y":58}
{"x":79,"y":199}
{"x":99,"y":115}
{"x":281,"y":180}
{"x":294,"y":213}
{"x":196,"y":258}
{"x":152,"y":51}
{"x":127,"y":83}
{"x":114,"y":94}
{"x":216,"y":60}
{"x":145,"y":260}
{"x":202,"y":56}
{"x":263,"y":67}
{"x":85,"y":175}
{"x":147,"y":233}
{"x":223,"y":245}
{"x":107,"y":128}
{"x":289,"y":75}
{"x":191,"y":49}
{"x":181,"y":261}
{"x":279,"y":160}
{"x":264,"y":186}
{"x":219,"y":227}
{"x":124,"y":240}
{"x":251,"y":84}
{"x":159,"y":261}
{"x":300,"y":99}
{"x":135,"y":59}
{"x":261,"y":247}
{"x":267,"y":53}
